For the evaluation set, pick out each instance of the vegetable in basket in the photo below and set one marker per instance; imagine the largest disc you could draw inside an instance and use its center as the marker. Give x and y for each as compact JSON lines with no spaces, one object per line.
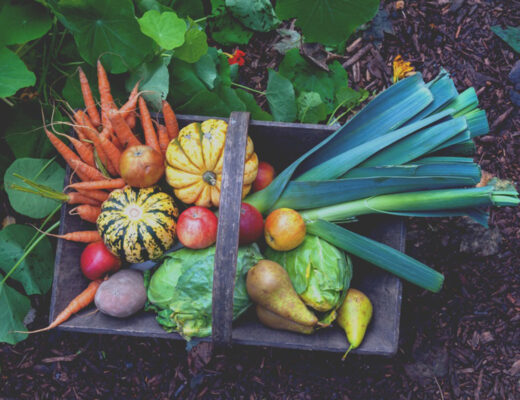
{"x":319,"y":272}
{"x":180,"y":291}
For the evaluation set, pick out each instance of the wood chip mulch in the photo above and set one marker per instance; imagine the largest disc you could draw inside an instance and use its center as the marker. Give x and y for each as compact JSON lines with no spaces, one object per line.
{"x":463,"y":343}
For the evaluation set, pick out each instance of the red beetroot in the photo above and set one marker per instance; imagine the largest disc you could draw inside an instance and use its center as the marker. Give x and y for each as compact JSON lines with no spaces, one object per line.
{"x":96,"y":261}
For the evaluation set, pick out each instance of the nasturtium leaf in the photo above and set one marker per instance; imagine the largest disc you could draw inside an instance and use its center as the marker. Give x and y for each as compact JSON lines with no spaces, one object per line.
{"x":257,"y":15}
{"x":349,"y":97}
{"x":184,"y":82}
{"x":338,"y":75}
{"x":510,"y":35}
{"x":252,"y":106}
{"x":307,"y":77}
{"x":13,"y":309}
{"x":230,"y":99}
{"x":72,"y":90}
{"x":224,"y":28}
{"x":21,"y":23}
{"x":195,"y":45}
{"x":154,"y":80}
{"x":280,"y":97}
{"x":206,"y":70}
{"x":24,"y":133}
{"x":35,"y":271}
{"x":204,"y":103}
{"x":41,"y":171}
{"x":327,"y":21}
{"x":146,"y":5}
{"x":14,"y":75}
{"x":106,"y":29}
{"x":189,"y":8}
{"x":166,"y":28}
{"x":290,"y":39}
{"x":311,"y":108}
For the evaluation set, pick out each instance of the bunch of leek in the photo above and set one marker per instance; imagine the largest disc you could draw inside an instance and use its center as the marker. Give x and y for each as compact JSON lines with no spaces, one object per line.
{"x":405,"y":153}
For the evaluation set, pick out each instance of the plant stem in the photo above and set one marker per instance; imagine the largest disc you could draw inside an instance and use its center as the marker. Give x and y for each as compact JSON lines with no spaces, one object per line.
{"x":203,"y":19}
{"x":248,"y":88}
{"x":28,"y":251}
{"x":43,"y":225}
{"x":8,"y":102}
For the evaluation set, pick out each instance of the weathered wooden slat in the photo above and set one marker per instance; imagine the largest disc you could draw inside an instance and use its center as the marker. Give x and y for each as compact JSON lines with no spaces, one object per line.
{"x":228,"y":227}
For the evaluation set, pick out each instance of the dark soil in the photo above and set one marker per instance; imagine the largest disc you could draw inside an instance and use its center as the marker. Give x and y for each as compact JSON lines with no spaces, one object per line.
{"x":463,"y":343}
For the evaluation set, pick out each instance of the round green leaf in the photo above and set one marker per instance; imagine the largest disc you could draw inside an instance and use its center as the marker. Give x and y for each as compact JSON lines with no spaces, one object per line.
{"x":311,"y":108}
{"x":41,"y":171}
{"x":20,"y":23}
{"x":280,"y":96}
{"x":165,"y":28}
{"x":228,"y":31}
{"x":327,"y":21}
{"x":13,"y":309}
{"x":195,"y":45}
{"x":257,"y":15}
{"x":154,"y":80}
{"x":14,"y":75}
{"x":106,"y":29}
{"x":35,"y":271}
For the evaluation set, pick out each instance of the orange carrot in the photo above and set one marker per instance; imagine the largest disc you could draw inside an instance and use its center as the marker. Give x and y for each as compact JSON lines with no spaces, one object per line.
{"x":78,"y":126}
{"x":104,"y":184}
{"x":84,"y":150}
{"x":170,"y":120}
{"x":92,"y":134}
{"x":86,"y":212}
{"x":112,"y":153}
{"x":80,"y":198}
{"x":146,"y":121}
{"x":164,"y":139}
{"x":86,"y":170}
{"x":128,"y":109}
{"x":77,"y":304}
{"x":78,"y":236}
{"x":68,"y":155}
{"x":90,"y":104}
{"x":107,"y":101}
{"x":98,"y":195}
{"x":122,"y":130}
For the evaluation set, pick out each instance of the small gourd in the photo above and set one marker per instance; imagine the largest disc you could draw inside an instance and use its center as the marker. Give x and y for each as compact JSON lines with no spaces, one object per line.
{"x":194,"y":163}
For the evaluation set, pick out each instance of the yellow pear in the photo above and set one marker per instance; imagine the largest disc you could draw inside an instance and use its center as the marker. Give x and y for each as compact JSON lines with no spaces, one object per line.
{"x":272,"y":320}
{"x":354,"y":315}
{"x":269,"y":286}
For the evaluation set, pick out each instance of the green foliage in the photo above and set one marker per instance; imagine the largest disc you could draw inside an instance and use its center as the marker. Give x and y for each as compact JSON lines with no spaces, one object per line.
{"x":107,"y":29}
{"x":281,"y":98}
{"x":45,"y":172}
{"x":166,"y":29}
{"x":195,"y":44}
{"x":510,"y":35}
{"x":13,"y":309}
{"x":257,"y":15}
{"x":224,"y":28}
{"x":20,"y":23}
{"x":154,"y":80}
{"x":327,"y":21}
{"x":35,"y":271}
{"x":311,"y":109}
{"x":13,"y":73}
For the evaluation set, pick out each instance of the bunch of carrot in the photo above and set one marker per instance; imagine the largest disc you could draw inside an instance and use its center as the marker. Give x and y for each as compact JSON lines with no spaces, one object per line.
{"x":102,"y":135}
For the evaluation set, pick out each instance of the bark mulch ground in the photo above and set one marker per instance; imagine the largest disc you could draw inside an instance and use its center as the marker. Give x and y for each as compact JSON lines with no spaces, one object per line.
{"x":463,"y":343}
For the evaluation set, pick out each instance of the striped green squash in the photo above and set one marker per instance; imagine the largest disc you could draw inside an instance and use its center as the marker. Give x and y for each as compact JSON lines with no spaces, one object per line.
{"x":138,"y":224}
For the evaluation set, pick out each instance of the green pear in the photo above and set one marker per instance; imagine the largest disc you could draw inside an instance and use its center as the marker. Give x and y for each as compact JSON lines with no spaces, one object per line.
{"x":272,"y":320}
{"x":354,"y":315}
{"x":269,"y":285}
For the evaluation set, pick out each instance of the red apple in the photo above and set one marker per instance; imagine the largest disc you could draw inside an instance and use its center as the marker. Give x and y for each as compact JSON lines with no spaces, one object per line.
{"x":197,"y":227}
{"x":264,"y":176}
{"x":141,"y":166}
{"x":96,"y":261}
{"x":251,"y":224}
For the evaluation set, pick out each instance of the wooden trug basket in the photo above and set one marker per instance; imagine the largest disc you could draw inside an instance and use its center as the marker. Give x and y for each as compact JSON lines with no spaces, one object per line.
{"x":279,"y":144}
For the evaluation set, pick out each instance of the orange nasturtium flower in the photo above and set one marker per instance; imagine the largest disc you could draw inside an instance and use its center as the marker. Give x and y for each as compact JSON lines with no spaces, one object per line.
{"x":236,"y":58}
{"x":402,"y":68}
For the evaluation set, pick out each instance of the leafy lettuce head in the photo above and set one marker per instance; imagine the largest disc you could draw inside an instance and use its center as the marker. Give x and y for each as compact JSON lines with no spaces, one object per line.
{"x":180,"y":290}
{"x":319,"y":272}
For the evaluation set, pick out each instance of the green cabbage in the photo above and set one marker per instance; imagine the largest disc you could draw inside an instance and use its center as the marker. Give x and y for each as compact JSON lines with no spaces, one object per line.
{"x":180,"y":291}
{"x":319,"y":272}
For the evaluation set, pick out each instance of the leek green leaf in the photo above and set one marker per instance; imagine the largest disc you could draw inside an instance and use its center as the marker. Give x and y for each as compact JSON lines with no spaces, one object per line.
{"x":510,"y":35}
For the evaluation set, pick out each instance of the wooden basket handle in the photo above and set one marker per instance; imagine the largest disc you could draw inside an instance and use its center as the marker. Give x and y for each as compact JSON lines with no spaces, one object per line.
{"x":228,"y":227}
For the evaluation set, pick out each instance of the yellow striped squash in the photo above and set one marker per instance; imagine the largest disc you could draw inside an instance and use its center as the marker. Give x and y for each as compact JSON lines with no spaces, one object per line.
{"x":194,"y":163}
{"x":138,"y":224}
